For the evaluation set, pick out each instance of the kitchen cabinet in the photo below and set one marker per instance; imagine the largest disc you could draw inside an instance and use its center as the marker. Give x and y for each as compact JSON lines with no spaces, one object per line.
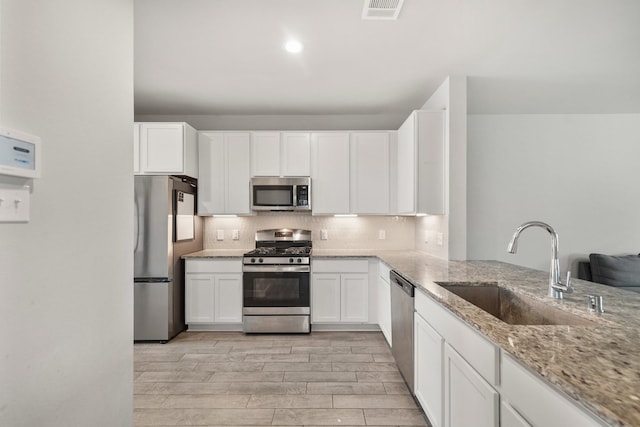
{"x":165,"y":149}
{"x":330,"y":173}
{"x":469,"y":400}
{"x":509,"y":417}
{"x":340,"y":291}
{"x":536,"y":403}
{"x":384,"y":301}
{"x":421,"y":164}
{"x":280,"y":154}
{"x":456,"y":368}
{"x":369,"y":173}
{"x":213,"y":291}
{"x":223,"y":187}
{"x":428,"y":355}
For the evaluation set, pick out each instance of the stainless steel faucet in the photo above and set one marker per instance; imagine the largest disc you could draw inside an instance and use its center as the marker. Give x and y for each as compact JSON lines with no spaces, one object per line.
{"x":556,"y":288}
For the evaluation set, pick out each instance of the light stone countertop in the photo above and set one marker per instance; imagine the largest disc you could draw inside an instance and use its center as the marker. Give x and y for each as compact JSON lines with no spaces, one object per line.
{"x":598,"y":366}
{"x":217,"y":253}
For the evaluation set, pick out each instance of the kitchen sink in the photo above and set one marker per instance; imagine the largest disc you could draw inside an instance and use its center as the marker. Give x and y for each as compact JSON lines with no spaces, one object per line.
{"x":512,"y":308}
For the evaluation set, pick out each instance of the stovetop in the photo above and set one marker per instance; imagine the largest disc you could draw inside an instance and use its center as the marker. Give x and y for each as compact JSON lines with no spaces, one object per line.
{"x":269,"y":251}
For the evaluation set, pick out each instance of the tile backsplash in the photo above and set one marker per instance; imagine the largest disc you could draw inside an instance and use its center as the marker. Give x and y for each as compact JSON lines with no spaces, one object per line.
{"x":362,"y":232}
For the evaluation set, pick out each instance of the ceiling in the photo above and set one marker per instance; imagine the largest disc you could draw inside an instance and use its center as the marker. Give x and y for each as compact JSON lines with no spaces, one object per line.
{"x":226,"y":57}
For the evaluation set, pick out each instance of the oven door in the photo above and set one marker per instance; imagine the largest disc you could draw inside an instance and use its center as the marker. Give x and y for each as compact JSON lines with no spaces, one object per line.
{"x":264,"y":289}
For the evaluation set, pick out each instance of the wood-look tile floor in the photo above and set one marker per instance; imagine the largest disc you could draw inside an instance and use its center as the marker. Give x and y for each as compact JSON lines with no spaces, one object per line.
{"x":233,"y":379}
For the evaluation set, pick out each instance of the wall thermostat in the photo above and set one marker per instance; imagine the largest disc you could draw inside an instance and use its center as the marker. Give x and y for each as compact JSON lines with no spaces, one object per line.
{"x":20,"y":154}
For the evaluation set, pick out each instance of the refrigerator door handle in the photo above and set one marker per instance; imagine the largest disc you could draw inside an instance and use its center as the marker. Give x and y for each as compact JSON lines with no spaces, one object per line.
{"x":136,"y":224}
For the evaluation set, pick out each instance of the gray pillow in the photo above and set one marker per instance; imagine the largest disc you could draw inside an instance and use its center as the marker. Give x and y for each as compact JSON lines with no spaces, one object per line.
{"x":615,"y":270}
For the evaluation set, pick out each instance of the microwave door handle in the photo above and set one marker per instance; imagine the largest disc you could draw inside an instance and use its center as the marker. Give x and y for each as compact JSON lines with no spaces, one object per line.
{"x":295,"y":195}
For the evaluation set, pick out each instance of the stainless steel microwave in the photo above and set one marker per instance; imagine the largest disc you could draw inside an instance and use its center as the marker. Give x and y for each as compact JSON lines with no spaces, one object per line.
{"x":270,"y":193}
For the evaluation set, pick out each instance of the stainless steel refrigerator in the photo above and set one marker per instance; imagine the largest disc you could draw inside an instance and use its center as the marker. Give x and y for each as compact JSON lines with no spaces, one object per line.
{"x":166,"y":228}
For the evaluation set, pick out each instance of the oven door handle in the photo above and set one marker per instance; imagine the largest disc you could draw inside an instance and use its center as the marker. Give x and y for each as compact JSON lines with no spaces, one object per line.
{"x":278,"y":269}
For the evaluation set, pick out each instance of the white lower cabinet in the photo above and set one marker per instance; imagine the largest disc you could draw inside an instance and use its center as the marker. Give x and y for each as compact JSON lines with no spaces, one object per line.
{"x":468,"y":399}
{"x":455,"y":369}
{"x":509,"y":417}
{"x":384,"y":301}
{"x":536,"y":403}
{"x":428,"y":385}
{"x":213,"y":292}
{"x":340,"y":291}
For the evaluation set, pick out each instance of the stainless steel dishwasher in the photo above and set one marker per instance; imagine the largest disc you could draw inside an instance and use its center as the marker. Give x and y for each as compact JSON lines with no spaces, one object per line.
{"x":402,"y":302}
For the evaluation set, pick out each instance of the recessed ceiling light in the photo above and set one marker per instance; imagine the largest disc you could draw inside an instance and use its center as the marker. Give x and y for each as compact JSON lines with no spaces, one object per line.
{"x":293,"y":46}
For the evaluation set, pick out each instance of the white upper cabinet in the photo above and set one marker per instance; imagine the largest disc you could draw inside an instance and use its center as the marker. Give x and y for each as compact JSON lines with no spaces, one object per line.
{"x":330,"y":172}
{"x":136,"y":148}
{"x":370,"y":173}
{"x":280,"y":154}
{"x":223,"y":187}
{"x":166,"y":149}
{"x":295,"y":154}
{"x":421,"y":164}
{"x":265,"y":153}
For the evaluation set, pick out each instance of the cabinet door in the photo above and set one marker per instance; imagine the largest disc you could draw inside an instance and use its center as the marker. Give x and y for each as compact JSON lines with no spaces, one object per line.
{"x":330,"y":173}
{"x":354,"y":297}
{"x":406,"y":165}
{"x":212,"y":182}
{"x":265,"y":154}
{"x":384,"y":309}
{"x":468,"y":399}
{"x":237,"y":173}
{"x":199,"y":297}
{"x":509,"y":417}
{"x":136,"y":148}
{"x":430,"y":184}
{"x":325,"y":298}
{"x":162,"y":147}
{"x":228,"y":298}
{"x":428,"y":349}
{"x":295,"y":150}
{"x":370,"y":172}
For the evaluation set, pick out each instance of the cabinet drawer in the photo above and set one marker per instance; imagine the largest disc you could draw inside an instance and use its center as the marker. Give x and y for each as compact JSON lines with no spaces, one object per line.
{"x":476,"y":350}
{"x":383,"y":271}
{"x":340,"y":266}
{"x":213,"y":265}
{"x":538,"y":402}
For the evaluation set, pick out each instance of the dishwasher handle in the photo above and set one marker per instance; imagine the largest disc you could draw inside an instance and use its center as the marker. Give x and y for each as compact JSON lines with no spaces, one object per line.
{"x":406,"y":286}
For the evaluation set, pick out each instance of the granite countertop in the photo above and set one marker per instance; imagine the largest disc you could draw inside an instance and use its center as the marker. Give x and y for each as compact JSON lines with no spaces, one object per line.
{"x":217,"y":253}
{"x":597,"y":365}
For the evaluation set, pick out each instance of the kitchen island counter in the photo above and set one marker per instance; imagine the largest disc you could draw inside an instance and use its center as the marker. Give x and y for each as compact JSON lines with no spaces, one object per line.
{"x":597,"y":365}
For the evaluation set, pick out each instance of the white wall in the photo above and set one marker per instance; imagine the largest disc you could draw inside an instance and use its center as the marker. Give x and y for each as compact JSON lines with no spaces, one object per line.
{"x":66,"y":276}
{"x":579,"y":173}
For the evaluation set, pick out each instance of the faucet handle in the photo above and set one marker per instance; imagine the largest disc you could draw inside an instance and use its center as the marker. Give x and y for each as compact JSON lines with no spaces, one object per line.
{"x":568,"y":284}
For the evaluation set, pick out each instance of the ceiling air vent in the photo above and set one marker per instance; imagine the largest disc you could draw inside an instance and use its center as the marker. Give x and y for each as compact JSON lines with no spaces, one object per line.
{"x":381,"y":9}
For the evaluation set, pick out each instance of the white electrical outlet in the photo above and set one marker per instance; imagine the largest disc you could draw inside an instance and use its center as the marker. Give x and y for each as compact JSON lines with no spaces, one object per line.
{"x":439,"y":239}
{"x":324,"y":235}
{"x":382,"y":234}
{"x":235,"y":235}
{"x":220,"y":235}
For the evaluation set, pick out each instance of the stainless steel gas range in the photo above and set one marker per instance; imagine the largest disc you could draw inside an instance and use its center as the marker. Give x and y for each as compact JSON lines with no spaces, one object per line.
{"x":276,"y":282}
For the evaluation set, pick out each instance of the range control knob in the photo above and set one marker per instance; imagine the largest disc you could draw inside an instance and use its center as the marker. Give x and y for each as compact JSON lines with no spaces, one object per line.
{"x":290,"y":260}
{"x":299,"y":260}
{"x":260,"y":260}
{"x":253,"y":260}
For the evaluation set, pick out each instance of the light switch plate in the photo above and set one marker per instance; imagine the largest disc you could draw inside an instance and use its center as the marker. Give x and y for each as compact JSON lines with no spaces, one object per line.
{"x":220,"y":235}
{"x":324,"y":235}
{"x":382,"y":234}
{"x":235,"y":235}
{"x":14,"y":204}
